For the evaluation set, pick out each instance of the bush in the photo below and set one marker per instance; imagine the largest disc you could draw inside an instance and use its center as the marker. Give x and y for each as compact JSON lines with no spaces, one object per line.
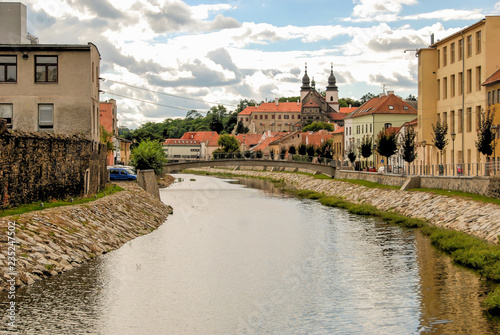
{"x":492,"y":302}
{"x":149,"y":155}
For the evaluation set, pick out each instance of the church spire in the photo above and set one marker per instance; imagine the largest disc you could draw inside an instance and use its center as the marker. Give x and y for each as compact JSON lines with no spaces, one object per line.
{"x":331,"y":81}
{"x":305,"y":81}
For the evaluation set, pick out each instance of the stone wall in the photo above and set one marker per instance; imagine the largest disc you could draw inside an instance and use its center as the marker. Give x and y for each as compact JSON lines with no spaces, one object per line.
{"x":55,"y":240}
{"x":475,"y":185}
{"x":147,"y":180}
{"x":36,"y":166}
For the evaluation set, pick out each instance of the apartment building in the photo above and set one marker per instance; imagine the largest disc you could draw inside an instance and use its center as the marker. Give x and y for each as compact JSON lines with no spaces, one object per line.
{"x":276,"y":117}
{"x":450,"y":77}
{"x":46,"y":87}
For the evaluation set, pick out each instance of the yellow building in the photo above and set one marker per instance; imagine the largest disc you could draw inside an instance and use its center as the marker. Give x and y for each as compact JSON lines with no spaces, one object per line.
{"x":492,"y":86}
{"x":450,"y":76}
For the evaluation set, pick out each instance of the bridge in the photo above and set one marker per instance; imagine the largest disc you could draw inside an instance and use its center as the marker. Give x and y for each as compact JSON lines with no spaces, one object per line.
{"x":264,"y":164}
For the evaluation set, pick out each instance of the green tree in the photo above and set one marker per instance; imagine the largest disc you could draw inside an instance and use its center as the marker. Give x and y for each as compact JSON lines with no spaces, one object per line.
{"x":484,"y":133}
{"x":367,"y":97}
{"x":317,"y":126}
{"x":387,"y":143}
{"x":228,"y":143}
{"x":365,"y":147}
{"x":230,"y":122}
{"x":409,"y":145}
{"x":351,"y":153}
{"x":107,"y":140}
{"x":439,"y":136}
{"x":149,"y":155}
{"x":292,"y":150}
{"x":325,"y":150}
{"x":302,"y":149}
{"x":241,"y":129}
{"x":411,"y":97}
{"x":310,"y":150}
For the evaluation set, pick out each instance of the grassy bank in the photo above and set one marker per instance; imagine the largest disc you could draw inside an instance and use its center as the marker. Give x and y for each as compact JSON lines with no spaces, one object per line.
{"x":109,"y":189}
{"x":464,"y":249}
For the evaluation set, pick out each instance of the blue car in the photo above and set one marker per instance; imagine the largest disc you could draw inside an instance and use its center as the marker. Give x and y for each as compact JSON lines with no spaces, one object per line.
{"x":121,"y":173}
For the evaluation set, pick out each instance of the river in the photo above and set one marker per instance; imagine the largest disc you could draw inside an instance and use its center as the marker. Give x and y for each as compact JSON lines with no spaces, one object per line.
{"x":245,"y":258}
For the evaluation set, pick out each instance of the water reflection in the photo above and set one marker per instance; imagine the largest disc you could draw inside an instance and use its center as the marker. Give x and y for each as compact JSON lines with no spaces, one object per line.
{"x":234,"y":260}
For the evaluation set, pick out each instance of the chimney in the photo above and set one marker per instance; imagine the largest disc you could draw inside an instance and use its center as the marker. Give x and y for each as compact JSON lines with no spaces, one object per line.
{"x":381,"y":95}
{"x":350,"y":106}
{"x":390,"y":92}
{"x":432,"y":38}
{"x":277,"y":101}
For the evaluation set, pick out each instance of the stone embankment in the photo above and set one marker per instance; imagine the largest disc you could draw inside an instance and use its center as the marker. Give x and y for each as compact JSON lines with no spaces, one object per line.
{"x":476,"y":218}
{"x":54,"y":240}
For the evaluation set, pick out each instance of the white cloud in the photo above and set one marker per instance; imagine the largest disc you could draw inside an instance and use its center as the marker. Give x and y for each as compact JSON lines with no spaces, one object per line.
{"x":447,"y":15}
{"x":379,"y":10}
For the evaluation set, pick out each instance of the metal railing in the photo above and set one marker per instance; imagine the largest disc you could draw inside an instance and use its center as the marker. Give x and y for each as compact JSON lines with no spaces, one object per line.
{"x":448,"y":170}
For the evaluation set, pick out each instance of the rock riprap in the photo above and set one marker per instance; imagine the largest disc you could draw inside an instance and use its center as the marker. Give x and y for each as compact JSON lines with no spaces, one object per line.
{"x":54,"y":240}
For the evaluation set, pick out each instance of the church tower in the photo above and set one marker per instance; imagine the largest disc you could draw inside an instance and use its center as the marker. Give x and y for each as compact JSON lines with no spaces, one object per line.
{"x":332,"y":92}
{"x":306,"y":87}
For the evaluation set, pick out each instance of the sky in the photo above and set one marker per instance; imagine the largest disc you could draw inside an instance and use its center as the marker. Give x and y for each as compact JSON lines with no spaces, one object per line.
{"x":174,"y":56}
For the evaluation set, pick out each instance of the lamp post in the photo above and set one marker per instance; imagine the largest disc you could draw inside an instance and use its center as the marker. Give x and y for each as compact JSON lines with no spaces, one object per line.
{"x":424,"y":142}
{"x":494,"y":132}
{"x":453,"y":136}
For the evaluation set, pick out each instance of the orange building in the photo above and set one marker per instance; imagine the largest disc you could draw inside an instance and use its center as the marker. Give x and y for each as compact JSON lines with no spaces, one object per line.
{"x":108,"y":120}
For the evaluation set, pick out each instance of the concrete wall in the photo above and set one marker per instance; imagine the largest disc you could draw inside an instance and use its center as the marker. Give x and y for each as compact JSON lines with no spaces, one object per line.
{"x":147,"y":180}
{"x":13,"y":23}
{"x":43,"y":166}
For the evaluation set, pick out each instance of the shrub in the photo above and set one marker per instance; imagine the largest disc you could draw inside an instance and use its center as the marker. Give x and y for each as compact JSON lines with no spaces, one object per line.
{"x":149,"y":155}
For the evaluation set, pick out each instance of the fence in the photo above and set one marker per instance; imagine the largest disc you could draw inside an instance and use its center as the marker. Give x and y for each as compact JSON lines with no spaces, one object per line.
{"x":467,"y":169}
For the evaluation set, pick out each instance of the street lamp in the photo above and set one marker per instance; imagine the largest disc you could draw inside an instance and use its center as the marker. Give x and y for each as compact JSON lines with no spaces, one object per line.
{"x":494,"y":132}
{"x":453,"y":136}
{"x":424,"y":142}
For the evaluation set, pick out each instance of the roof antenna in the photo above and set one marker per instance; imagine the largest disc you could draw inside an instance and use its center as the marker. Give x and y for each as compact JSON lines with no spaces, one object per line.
{"x":383,"y":89}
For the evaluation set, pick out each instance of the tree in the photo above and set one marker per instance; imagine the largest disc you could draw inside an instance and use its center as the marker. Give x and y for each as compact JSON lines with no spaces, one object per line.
{"x":411,"y":97}
{"x":241,"y":129}
{"x":149,"y":155}
{"x":351,"y":153}
{"x":387,"y":143}
{"x":325,"y":150}
{"x":228,"y":143}
{"x":484,"y":133}
{"x":439,"y":136}
{"x":302,"y":149}
{"x":310,"y":150}
{"x":409,"y":145}
{"x":367,"y":97}
{"x":366,"y":146}
{"x":107,"y":140}
{"x":317,"y":126}
{"x":282,"y":153}
{"x":231,"y":122}
{"x":292,"y":150}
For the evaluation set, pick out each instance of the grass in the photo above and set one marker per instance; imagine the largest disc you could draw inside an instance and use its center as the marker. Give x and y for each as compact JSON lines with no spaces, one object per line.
{"x":110,"y":189}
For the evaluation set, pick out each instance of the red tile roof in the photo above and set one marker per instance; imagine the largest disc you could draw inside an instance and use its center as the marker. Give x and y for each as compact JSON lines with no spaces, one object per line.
{"x":271,"y":107}
{"x":315,"y":139}
{"x":382,"y":105}
{"x":201,"y":136}
{"x":339,"y":131}
{"x":337,"y":116}
{"x":494,"y":78}
{"x":347,"y":110}
{"x":249,"y":139}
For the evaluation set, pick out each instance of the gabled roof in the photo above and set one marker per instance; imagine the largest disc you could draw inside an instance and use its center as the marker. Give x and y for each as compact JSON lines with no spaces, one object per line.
{"x":336,"y":116}
{"x":316,"y":139}
{"x":249,"y":139}
{"x":347,"y":110}
{"x":272,"y":107}
{"x":493,"y":79}
{"x":386,"y":104}
{"x":201,"y":136}
{"x":339,"y":131}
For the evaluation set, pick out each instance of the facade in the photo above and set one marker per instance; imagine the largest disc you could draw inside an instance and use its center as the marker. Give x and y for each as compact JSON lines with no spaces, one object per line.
{"x":13,"y":24}
{"x":50,"y":88}
{"x":125,"y":151}
{"x":109,"y":121}
{"x":338,"y":144}
{"x":176,"y":149}
{"x":276,"y":117}
{"x":379,"y":113}
{"x":492,"y":87}
{"x":208,"y":142}
{"x":450,"y":76}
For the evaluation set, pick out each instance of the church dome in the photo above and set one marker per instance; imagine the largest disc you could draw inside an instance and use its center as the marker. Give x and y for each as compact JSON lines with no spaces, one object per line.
{"x":306,"y":81}
{"x":332,"y":81}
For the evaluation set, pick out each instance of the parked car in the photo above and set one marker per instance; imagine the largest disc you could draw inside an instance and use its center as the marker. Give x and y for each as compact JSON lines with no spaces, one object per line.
{"x":121,"y":173}
{"x":372,"y":169}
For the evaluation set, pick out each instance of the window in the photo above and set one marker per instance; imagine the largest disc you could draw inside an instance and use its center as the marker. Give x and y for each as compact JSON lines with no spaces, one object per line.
{"x":460,"y":49}
{"x":286,"y":117}
{"x":478,"y":42}
{"x":387,"y":125}
{"x":452,"y":53}
{"x":265,"y":117}
{"x":445,"y":87}
{"x":45,"y":117}
{"x":445,"y":118}
{"x":469,"y":45}
{"x":452,"y":122}
{"x":493,"y":97}
{"x":46,"y":69}
{"x":459,"y":130}
{"x":260,"y":117}
{"x":460,"y":83}
{"x":469,"y":80}
{"x":6,"y":113}
{"x":293,"y":117}
{"x":273,"y":116}
{"x":445,"y":56}
{"x":439,"y":89}
{"x":489,"y":98}
{"x":439,"y":59}
{"x":370,"y":127}
{"x":279,"y":117}
{"x":452,"y":85}
{"x":8,"y":69}
{"x":391,"y":107}
{"x":478,"y":78}
{"x":468,"y":119}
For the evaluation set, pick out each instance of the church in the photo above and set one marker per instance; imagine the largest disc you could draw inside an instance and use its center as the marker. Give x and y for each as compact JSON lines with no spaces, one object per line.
{"x":293,"y":116}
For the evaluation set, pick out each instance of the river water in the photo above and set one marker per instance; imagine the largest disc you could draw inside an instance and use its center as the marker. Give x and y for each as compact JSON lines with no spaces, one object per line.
{"x":237,"y":260}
